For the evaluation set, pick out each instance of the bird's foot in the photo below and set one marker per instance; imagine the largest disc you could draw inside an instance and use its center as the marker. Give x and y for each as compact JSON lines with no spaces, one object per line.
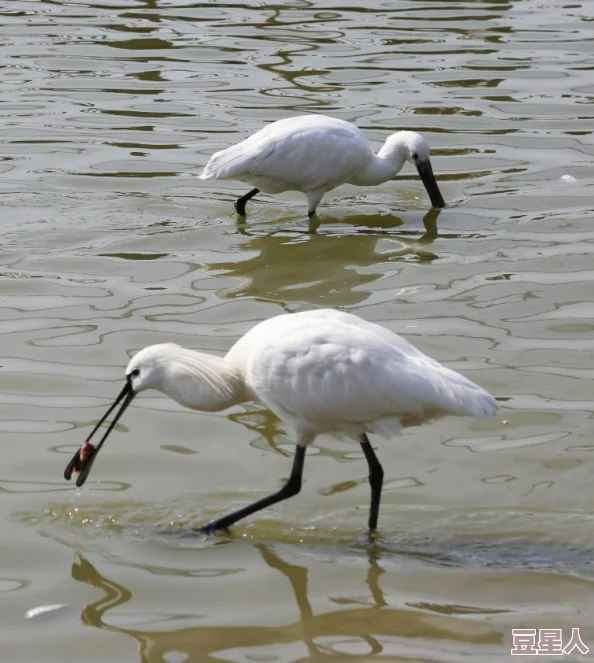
{"x":239,"y":208}
{"x":313,"y":225}
{"x":372,"y":536}
{"x":212,"y":528}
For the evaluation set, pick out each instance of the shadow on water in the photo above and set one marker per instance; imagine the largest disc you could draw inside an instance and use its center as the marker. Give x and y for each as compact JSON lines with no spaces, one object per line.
{"x":386,"y":225}
{"x":358,"y":624}
{"x":333,"y":268}
{"x":382,"y":225}
{"x":466,"y":539}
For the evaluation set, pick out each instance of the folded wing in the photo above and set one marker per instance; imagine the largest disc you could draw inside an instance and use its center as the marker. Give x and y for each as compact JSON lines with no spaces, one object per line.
{"x":340,"y":376}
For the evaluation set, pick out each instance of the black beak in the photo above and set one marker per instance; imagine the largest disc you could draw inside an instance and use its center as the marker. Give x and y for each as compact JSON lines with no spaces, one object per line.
{"x":428,"y":178}
{"x":83,"y":465}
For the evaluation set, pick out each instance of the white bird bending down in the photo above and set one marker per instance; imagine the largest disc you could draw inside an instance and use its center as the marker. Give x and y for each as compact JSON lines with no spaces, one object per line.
{"x":322,"y":371}
{"x":314,"y":154}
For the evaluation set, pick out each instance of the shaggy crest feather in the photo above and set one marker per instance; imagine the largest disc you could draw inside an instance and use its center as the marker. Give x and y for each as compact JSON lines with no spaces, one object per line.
{"x":195,"y":379}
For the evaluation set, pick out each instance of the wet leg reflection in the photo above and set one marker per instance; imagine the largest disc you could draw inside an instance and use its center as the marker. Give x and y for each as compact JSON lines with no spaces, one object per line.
{"x":343,"y":262}
{"x":298,"y":579}
{"x":342,"y":627}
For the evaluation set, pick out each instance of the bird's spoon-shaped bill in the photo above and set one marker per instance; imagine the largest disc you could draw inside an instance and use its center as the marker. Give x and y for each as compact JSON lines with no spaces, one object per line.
{"x":83,"y":459}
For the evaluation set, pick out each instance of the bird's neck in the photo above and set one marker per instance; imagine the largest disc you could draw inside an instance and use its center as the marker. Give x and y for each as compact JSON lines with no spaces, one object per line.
{"x":205,"y":382}
{"x":383,"y":166}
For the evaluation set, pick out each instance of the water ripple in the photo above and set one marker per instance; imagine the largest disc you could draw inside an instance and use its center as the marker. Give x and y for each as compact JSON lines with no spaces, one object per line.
{"x":110,"y":243}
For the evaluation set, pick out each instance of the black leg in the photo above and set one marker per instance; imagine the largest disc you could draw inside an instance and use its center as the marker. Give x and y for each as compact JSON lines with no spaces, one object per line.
{"x":239,"y":204}
{"x":376,"y":478}
{"x":292,"y":487}
{"x":311,"y":213}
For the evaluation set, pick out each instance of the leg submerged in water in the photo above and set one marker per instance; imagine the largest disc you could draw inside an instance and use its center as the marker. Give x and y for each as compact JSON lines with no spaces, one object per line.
{"x":292,"y":487}
{"x":376,"y":479}
{"x":239,"y":204}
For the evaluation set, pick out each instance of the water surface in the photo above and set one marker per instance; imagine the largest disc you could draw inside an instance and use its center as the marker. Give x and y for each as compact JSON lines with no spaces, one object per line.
{"x":110,"y":242}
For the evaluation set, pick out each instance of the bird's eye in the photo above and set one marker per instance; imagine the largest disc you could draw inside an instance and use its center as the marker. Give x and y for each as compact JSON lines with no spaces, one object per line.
{"x":415,"y":155}
{"x":135,"y":373}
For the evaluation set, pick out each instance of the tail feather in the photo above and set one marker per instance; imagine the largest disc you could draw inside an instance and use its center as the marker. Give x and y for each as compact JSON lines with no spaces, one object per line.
{"x":467,"y":398}
{"x":482,"y":405}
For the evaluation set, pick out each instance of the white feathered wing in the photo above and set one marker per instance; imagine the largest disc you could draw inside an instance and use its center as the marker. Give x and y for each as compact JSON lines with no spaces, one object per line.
{"x":306,"y":153}
{"x":327,"y":371}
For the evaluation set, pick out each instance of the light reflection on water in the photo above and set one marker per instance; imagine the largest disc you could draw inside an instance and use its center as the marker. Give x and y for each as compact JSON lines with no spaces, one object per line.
{"x":110,"y":243}
{"x":364,"y":624}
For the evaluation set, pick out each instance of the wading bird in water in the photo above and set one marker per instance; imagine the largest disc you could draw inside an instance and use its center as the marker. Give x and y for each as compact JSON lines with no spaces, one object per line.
{"x":314,"y":154}
{"x":322,"y":371}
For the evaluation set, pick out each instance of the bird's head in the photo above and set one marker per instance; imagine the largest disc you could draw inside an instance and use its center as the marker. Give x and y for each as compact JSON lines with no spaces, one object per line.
{"x":416,"y":150}
{"x":196,"y":380}
{"x":146,"y":370}
{"x":416,"y":147}
{"x":150,"y":367}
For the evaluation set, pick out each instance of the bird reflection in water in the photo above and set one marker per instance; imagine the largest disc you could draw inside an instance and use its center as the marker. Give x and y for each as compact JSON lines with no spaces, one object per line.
{"x":329,"y":269}
{"x":387,"y":631}
{"x":388,"y":225}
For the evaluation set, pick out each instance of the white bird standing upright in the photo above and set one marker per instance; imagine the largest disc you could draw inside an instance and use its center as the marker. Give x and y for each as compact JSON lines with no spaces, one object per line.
{"x":316,"y":153}
{"x":322,"y":371}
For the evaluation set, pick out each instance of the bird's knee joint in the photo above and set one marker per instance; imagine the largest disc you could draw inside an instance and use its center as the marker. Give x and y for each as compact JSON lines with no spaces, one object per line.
{"x":291,"y":488}
{"x":376,"y":474}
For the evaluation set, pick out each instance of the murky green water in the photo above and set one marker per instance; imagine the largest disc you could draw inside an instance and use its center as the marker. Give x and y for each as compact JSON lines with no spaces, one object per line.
{"x":109,"y":242}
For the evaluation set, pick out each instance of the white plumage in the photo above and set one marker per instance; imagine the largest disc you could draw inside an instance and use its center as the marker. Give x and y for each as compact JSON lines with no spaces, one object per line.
{"x":316,"y":153}
{"x":325,"y":371}
{"x":322,"y":371}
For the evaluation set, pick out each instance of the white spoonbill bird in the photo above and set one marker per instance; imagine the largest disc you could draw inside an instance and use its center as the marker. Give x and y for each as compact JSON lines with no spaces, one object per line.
{"x":322,"y":371}
{"x":317,"y":153}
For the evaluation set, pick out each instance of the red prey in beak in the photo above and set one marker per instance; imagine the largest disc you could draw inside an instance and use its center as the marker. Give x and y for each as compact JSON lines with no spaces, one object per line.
{"x":83,"y":459}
